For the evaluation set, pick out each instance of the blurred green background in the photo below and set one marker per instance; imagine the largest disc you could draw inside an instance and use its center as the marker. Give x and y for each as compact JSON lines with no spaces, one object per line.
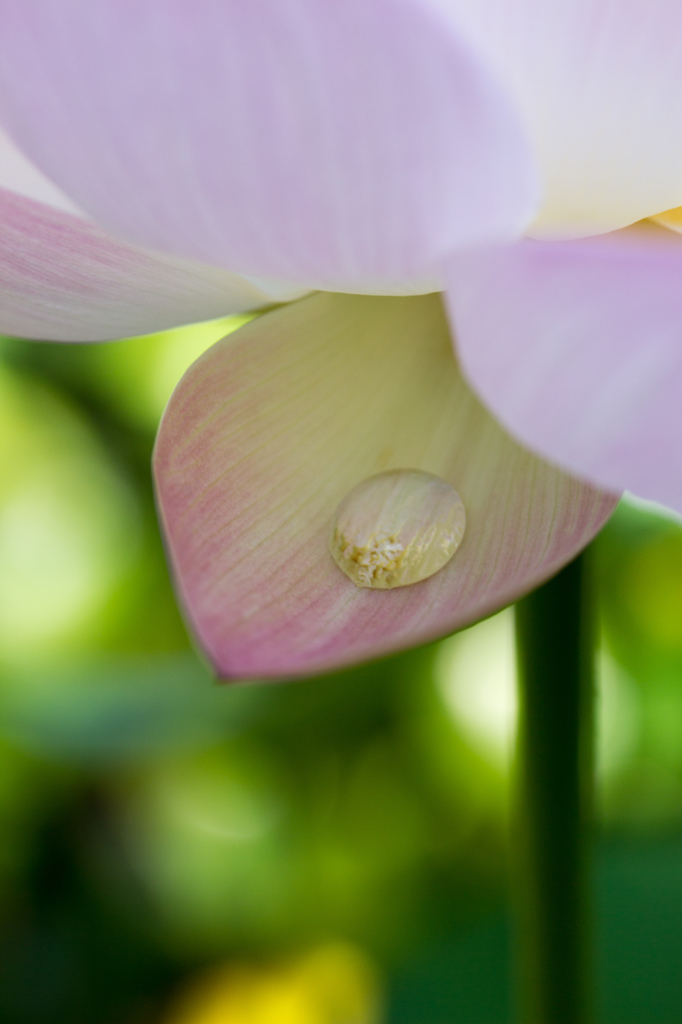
{"x":332,"y":851}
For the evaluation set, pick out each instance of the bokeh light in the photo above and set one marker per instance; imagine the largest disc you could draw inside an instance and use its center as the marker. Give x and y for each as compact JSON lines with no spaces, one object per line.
{"x":69,"y":525}
{"x":334,"y":984}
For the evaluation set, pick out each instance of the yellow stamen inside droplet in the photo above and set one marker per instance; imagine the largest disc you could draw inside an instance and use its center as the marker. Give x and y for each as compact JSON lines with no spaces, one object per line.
{"x":397,"y":528}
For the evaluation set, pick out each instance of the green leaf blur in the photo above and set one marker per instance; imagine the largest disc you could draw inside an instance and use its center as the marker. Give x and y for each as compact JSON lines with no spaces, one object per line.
{"x":336,"y":845}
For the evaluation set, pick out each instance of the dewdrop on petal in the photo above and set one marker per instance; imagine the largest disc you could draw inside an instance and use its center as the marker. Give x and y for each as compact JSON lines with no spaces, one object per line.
{"x":397,"y":528}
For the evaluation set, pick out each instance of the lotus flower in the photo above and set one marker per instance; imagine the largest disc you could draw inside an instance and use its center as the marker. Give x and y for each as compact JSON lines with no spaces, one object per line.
{"x":166,"y":162}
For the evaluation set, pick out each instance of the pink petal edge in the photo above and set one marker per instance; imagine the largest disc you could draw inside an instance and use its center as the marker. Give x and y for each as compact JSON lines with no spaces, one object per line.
{"x":65,"y":279}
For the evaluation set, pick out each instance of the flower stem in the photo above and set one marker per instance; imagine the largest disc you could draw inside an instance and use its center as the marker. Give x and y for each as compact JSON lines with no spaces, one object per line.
{"x":554,"y":628}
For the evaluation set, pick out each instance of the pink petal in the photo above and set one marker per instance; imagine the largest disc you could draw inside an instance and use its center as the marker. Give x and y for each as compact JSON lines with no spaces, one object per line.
{"x":599,"y":84}
{"x":326,"y":142}
{"x":64,"y":279}
{"x":269,"y":430}
{"x":577,"y":348}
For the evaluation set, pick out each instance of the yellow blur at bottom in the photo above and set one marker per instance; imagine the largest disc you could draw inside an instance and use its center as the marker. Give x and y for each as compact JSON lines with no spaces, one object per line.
{"x":333,"y":984}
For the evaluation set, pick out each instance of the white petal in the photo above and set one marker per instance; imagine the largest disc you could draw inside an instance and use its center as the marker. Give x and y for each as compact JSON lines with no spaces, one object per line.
{"x":599,"y":83}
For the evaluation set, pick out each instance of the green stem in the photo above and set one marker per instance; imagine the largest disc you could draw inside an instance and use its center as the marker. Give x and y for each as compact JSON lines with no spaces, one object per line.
{"x":554,"y":771}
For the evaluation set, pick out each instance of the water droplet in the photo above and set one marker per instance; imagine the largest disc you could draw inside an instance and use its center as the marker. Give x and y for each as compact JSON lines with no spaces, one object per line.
{"x":397,"y":528}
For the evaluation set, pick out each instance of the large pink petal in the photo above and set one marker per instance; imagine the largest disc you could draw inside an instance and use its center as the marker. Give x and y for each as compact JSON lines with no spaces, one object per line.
{"x":577,"y":348}
{"x":327,"y":142}
{"x":270,"y":429}
{"x":599,"y":84}
{"x":64,"y":279}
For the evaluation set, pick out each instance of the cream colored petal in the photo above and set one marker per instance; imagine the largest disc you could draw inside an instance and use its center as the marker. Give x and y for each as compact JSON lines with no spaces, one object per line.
{"x":272,"y":427}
